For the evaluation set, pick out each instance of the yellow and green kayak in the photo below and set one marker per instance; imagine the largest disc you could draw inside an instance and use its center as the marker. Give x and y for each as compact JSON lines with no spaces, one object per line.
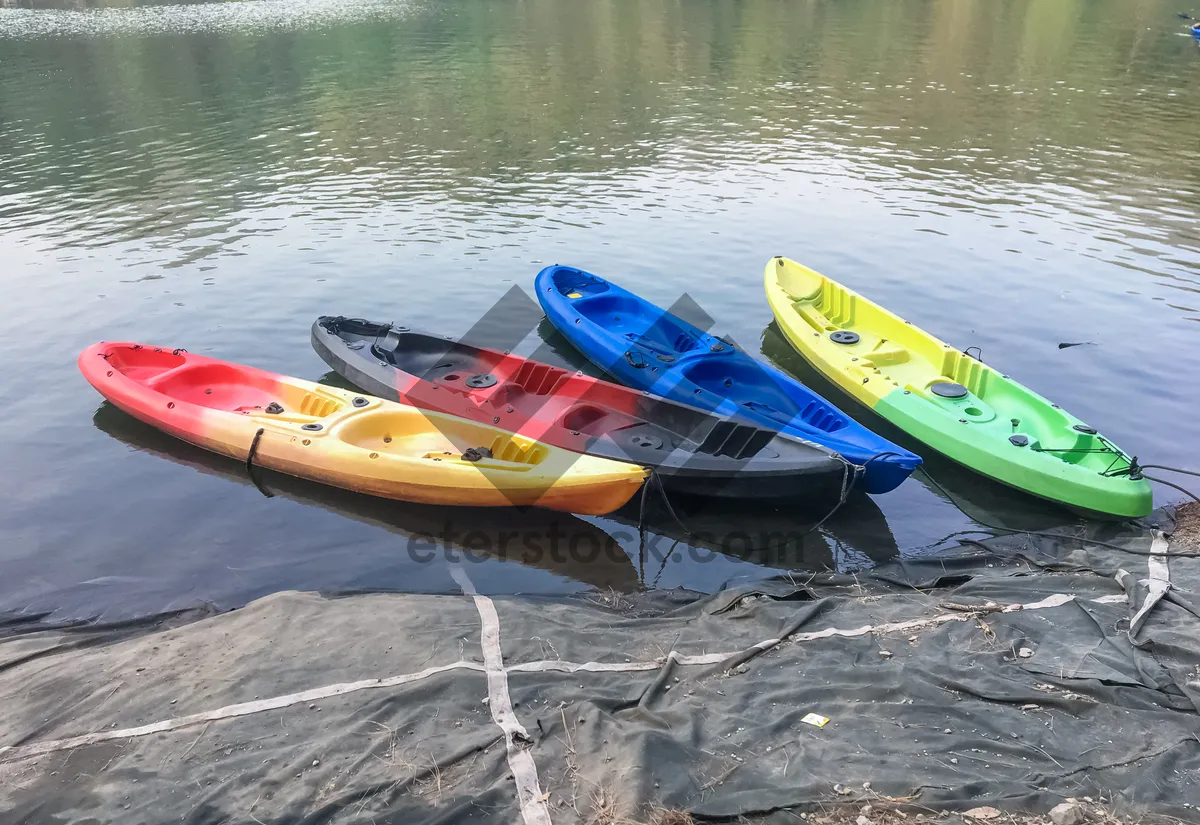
{"x":951,"y":401}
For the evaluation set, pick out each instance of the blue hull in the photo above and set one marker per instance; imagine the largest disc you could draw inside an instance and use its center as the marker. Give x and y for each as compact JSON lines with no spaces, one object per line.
{"x":643,"y":346}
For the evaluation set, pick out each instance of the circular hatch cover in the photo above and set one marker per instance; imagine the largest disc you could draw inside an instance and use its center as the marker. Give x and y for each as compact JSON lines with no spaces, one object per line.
{"x":481,"y":380}
{"x":947,"y":390}
{"x":650,"y":442}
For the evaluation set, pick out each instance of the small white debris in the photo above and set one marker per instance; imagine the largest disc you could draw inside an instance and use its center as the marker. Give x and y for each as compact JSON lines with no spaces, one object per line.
{"x":886,"y":654}
{"x":1031,"y":707}
{"x":316,"y":762}
{"x":1025,"y":653}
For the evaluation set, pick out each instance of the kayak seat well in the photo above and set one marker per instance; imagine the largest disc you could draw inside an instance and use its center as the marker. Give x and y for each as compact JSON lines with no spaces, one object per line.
{"x":226,"y":387}
{"x":665,"y":340}
{"x":744,"y":383}
{"x":430,"y":358}
{"x":585,"y":418}
{"x":406,"y":431}
{"x":574,"y":283}
{"x":625,"y":315}
{"x":216,"y":386}
{"x":144,"y":363}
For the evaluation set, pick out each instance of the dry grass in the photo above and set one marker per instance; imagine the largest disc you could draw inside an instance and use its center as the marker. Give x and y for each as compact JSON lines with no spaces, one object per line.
{"x":1187,"y":527}
{"x":604,"y":812}
{"x":848,"y":814}
{"x":663,"y":816}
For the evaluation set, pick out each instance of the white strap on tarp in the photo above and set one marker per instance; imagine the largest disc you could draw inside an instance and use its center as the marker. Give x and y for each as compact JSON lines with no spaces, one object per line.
{"x":534,"y":810}
{"x":497,"y":675}
{"x":1157,"y":581}
{"x":227,"y":712}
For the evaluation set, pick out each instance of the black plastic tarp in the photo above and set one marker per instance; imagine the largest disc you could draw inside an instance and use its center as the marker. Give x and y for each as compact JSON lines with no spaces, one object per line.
{"x":1003,"y":673}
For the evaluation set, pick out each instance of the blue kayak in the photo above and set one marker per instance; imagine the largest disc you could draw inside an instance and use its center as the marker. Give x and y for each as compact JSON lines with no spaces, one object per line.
{"x":646,"y":347}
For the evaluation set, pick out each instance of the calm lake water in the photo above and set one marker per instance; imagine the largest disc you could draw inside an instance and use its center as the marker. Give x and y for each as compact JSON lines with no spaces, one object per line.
{"x":1009,"y":174}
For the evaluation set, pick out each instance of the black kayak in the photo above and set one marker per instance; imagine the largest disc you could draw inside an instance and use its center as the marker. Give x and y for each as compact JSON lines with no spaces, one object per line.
{"x":691,"y":451}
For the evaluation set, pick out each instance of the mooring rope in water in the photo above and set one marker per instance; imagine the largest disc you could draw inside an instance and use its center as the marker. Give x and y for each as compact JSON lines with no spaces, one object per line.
{"x":1181,"y":489}
{"x":1061,"y":536}
{"x":654,"y":478}
{"x":850,"y":474}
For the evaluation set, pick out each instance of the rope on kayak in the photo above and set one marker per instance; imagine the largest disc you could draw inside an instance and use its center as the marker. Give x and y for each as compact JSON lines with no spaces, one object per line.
{"x":250,"y":465}
{"x":1060,"y":536}
{"x":850,"y":474}
{"x":1178,"y":487}
{"x":1181,"y":489}
{"x":655,"y":479}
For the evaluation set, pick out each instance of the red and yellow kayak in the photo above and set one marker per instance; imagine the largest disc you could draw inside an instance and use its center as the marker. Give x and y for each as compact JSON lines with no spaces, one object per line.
{"x":349,"y":440}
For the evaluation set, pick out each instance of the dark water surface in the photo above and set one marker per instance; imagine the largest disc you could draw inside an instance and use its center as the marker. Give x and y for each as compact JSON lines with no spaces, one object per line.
{"x":1008,"y":174}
